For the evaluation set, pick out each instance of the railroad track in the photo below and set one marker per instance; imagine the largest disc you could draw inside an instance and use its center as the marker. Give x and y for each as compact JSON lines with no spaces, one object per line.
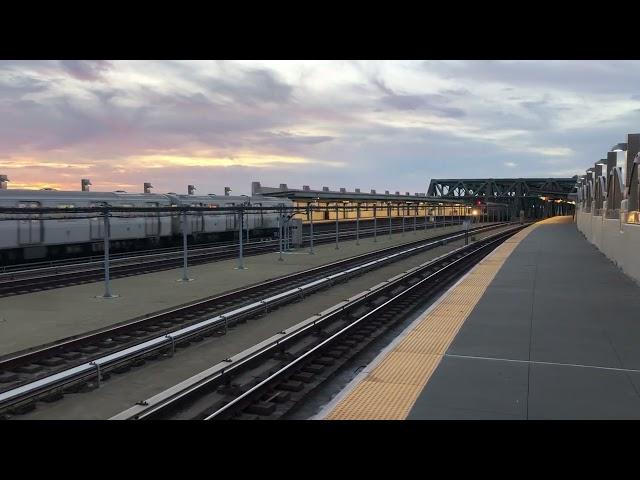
{"x":273,"y":378}
{"x":45,"y":278}
{"x":73,"y":364}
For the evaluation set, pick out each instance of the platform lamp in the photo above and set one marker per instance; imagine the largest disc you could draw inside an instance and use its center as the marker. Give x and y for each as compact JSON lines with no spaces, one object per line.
{"x":84,"y":184}
{"x":147,"y":187}
{"x":3,"y":182}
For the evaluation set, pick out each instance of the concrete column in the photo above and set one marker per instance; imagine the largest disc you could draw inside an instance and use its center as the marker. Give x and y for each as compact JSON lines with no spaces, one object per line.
{"x":633,"y":147}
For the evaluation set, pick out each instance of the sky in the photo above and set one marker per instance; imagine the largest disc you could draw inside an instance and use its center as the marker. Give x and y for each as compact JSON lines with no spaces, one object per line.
{"x":384,"y":125}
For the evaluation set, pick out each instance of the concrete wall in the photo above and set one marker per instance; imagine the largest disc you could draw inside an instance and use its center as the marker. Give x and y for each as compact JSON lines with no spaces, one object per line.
{"x":619,"y":242}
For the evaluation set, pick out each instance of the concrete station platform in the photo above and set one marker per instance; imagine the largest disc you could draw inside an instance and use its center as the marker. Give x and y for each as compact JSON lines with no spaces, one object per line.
{"x":546,"y":327}
{"x":39,"y":318}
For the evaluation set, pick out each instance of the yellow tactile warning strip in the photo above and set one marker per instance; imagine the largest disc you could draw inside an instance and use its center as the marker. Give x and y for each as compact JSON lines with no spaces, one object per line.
{"x":390,"y":390}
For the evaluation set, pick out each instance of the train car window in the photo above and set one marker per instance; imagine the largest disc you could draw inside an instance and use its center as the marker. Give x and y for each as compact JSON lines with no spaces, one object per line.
{"x":127,"y":214}
{"x":210,"y":205}
{"x":28,"y":204}
{"x":64,"y":217}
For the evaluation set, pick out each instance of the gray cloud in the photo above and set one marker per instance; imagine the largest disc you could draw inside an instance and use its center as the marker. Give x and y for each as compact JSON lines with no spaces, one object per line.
{"x":611,"y":76}
{"x":87,"y":70}
{"x":435,"y":104}
{"x":230,"y":108}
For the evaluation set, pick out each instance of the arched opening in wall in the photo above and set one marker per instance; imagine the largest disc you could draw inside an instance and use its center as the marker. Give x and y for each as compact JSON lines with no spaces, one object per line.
{"x":600,"y":194}
{"x":615,"y":193}
{"x":588,"y":196}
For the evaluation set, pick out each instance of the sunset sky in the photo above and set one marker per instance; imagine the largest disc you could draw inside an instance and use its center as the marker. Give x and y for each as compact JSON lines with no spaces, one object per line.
{"x":388,"y":125}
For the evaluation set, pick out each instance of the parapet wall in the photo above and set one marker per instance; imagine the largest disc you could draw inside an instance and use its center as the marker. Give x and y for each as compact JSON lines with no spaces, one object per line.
{"x":619,"y":241}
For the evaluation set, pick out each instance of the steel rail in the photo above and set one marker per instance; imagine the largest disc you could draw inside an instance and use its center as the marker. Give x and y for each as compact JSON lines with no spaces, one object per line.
{"x":245,"y":291}
{"x":95,"y":367}
{"x":308,"y":354}
{"x":166,"y":399}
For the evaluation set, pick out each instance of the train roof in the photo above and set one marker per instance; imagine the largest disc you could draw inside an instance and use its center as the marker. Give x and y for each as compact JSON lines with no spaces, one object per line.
{"x":63,"y":195}
{"x":224,"y":198}
{"x":119,"y":197}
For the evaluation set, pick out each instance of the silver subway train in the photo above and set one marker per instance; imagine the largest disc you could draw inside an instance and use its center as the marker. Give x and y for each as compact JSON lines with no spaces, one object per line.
{"x":35,"y":236}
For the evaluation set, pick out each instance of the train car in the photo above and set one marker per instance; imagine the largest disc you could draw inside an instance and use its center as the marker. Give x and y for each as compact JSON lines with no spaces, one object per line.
{"x":224,"y":225}
{"x":37,"y":237}
{"x":34,"y":237}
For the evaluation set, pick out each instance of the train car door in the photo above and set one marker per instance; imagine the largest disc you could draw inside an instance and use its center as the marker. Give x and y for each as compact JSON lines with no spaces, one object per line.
{"x":196,"y":219}
{"x":231,"y":218}
{"x":258,"y":217}
{"x":151,"y":221}
{"x":96,"y":224}
{"x":30,"y":227}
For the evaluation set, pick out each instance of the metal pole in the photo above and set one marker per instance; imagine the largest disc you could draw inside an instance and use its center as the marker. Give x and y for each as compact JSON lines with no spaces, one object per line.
{"x":286,"y":233}
{"x":247,"y":227}
{"x":185,"y":276}
{"x":107,"y":280}
{"x":310,"y":208}
{"x":415,"y":218}
{"x":466,"y":233}
{"x":337,"y":228}
{"x":240,"y":259}
{"x":403,"y":206}
{"x":425,"y":216}
{"x":280,"y":235}
{"x":358,"y":223}
{"x":287,"y":236}
{"x":375,"y":224}
{"x":389,"y":208}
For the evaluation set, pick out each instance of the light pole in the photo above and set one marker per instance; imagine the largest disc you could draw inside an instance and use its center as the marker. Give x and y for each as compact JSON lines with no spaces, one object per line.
{"x":415,"y":219}
{"x":240,"y":236}
{"x":107,"y":279}
{"x":280,"y":235}
{"x":337,"y":228}
{"x":375,"y":222}
{"x":185,"y":277}
{"x":357,"y":223}
{"x":426,"y":208}
{"x":310,"y":208}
